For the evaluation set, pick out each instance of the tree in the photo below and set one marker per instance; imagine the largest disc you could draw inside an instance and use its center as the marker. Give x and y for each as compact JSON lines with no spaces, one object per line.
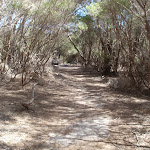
{"x":31,"y":32}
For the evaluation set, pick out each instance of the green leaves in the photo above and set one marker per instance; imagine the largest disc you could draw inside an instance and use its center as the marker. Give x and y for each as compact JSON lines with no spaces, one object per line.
{"x":93,"y":9}
{"x":88,"y":20}
{"x":16,"y":4}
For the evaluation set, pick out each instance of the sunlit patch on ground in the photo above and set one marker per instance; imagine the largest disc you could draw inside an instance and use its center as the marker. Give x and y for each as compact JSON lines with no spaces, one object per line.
{"x":91,"y":129}
{"x":16,"y":132}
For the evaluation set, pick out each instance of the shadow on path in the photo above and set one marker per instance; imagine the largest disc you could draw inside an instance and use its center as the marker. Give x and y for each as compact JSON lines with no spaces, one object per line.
{"x":74,"y":111}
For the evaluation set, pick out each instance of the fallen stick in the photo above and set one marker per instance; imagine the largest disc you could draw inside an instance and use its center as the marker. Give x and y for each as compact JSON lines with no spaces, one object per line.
{"x":27,"y":104}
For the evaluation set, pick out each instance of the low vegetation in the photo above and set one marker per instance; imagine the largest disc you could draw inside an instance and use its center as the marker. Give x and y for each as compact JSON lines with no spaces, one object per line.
{"x":111,"y":36}
{"x":57,"y":60}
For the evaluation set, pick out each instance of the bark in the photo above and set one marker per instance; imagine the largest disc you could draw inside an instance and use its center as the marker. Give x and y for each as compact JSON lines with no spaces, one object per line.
{"x":76,"y":48}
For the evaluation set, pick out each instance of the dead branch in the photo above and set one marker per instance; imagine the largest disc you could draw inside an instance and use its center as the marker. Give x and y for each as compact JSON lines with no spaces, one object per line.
{"x":129,"y":144}
{"x":27,"y":104}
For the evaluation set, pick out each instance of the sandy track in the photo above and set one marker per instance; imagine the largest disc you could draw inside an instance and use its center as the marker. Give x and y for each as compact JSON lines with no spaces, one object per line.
{"x":76,"y":111}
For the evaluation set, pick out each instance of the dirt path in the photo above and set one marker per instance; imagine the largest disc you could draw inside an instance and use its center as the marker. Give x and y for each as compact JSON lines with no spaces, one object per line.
{"x":76,"y":111}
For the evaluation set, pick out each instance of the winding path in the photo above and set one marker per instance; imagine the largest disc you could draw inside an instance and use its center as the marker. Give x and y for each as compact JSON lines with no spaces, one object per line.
{"x":112,"y":119}
{"x":76,"y":110}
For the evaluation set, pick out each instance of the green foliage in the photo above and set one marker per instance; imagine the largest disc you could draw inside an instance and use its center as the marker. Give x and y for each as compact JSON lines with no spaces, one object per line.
{"x":87,"y":19}
{"x":93,"y":9}
{"x":16,"y":5}
{"x":109,"y":32}
{"x":31,"y":31}
{"x":82,"y":26}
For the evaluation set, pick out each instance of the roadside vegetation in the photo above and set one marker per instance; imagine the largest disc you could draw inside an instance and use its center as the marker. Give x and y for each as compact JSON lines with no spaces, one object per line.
{"x":111,"y":36}
{"x":60,"y":61}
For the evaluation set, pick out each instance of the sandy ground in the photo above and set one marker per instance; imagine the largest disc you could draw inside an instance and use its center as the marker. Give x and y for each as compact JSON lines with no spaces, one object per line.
{"x":74,"y":110}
